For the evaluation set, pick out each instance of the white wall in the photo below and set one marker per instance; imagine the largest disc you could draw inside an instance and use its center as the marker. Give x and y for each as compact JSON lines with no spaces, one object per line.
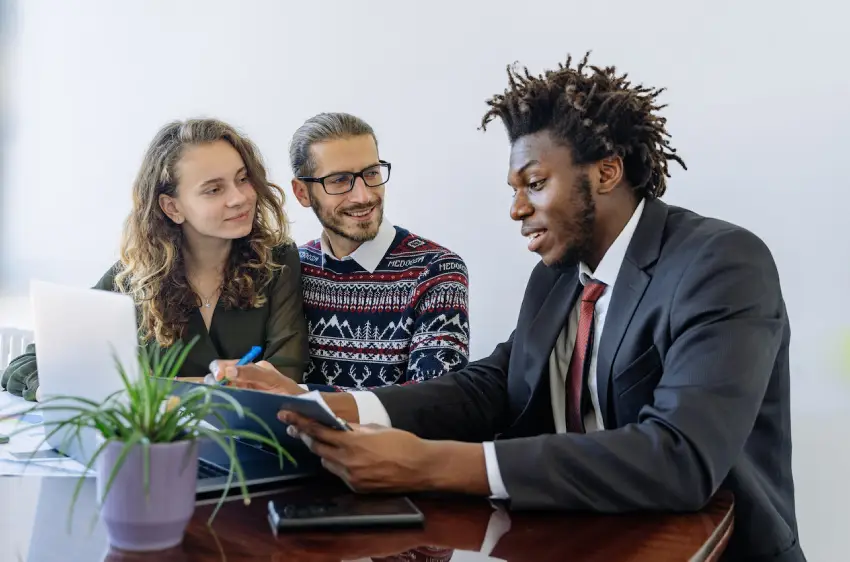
{"x":758,"y":109}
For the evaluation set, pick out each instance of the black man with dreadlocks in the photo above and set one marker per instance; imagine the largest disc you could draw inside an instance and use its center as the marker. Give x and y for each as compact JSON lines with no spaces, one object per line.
{"x":649,"y":366}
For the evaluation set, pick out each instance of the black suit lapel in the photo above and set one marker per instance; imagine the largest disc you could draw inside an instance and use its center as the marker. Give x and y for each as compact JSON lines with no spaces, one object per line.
{"x":629,"y":288}
{"x":547,"y":324}
{"x":539,"y":341}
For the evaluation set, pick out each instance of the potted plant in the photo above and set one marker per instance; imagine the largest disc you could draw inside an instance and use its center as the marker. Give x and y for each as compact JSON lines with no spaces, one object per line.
{"x":146,"y":461}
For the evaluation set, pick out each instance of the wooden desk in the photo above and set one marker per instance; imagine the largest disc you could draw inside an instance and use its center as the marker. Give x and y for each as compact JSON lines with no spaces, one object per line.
{"x":34,"y":516}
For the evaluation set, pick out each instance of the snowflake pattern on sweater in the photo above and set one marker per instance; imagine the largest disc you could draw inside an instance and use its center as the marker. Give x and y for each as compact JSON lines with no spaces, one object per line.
{"x":405,"y":322}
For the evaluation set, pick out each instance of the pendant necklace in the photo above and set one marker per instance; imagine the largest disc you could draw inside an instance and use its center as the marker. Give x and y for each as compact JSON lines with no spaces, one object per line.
{"x":206,"y":302}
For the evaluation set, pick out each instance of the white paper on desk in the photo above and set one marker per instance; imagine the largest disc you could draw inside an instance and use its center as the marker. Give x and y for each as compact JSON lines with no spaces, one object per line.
{"x":65,"y":467}
{"x":29,"y":440}
{"x":26,"y":443}
{"x":11,"y":404}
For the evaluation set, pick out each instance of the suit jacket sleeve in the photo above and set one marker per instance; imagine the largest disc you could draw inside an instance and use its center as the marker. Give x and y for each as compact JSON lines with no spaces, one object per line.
{"x":286,"y":331}
{"x":467,"y":405}
{"x":727,"y":323}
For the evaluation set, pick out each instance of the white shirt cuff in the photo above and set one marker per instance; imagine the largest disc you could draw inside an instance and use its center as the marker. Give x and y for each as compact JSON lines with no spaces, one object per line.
{"x":494,"y":475}
{"x":370,"y":409}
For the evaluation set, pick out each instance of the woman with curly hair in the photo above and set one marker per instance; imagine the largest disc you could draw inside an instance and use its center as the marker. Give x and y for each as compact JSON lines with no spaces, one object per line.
{"x":205,"y":252}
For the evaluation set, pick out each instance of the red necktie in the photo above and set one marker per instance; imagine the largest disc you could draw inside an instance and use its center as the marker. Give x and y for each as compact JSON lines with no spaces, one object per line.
{"x":580,"y":360}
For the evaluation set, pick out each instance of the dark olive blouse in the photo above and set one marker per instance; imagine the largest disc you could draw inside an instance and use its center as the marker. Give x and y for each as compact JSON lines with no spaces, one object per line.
{"x":278,"y":326}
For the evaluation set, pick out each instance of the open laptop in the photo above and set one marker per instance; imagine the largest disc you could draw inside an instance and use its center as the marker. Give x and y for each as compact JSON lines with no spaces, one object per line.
{"x":79,"y":333}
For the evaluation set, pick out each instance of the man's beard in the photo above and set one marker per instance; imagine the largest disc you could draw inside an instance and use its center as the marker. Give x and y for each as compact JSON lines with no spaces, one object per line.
{"x":581,"y":222}
{"x":359,"y":233}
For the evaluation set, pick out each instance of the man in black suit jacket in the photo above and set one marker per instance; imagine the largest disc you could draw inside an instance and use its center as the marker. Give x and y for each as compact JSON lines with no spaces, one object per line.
{"x":649,"y":365}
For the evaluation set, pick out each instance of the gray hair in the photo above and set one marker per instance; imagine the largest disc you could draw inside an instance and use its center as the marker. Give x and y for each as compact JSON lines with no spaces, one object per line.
{"x":320,"y":128}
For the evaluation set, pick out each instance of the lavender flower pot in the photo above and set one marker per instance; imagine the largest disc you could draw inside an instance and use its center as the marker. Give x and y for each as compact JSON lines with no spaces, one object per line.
{"x":156,"y":521}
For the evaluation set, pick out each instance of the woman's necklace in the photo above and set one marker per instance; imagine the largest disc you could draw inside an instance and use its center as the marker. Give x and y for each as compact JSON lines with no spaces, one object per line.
{"x":206,"y":302}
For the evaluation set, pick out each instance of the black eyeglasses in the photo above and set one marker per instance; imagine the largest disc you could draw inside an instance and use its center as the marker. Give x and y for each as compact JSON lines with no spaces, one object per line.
{"x":343,"y":182}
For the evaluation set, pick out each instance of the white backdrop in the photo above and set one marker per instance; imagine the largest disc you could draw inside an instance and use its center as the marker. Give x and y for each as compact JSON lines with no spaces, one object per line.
{"x":758,"y":109}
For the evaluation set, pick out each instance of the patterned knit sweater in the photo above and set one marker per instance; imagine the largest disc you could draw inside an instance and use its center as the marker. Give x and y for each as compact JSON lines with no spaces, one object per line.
{"x":405,"y":322}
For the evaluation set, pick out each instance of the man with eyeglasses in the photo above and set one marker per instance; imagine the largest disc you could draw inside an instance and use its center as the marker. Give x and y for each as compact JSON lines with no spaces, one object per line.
{"x":384,"y":306}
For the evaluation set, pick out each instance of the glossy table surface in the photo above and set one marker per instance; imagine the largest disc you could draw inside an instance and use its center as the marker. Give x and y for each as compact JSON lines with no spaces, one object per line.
{"x":34,"y":527}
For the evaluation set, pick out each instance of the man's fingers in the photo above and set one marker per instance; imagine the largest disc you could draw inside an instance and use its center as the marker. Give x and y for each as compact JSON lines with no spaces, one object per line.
{"x":328,"y":452}
{"x":313,"y":428}
{"x":320,"y":448}
{"x":338,"y":470}
{"x":345,"y":475}
{"x":310,"y":427}
{"x":293,"y":419}
{"x":337,"y":449}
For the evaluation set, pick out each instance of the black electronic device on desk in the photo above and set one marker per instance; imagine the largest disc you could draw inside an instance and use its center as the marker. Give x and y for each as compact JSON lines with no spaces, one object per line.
{"x":307,"y":508}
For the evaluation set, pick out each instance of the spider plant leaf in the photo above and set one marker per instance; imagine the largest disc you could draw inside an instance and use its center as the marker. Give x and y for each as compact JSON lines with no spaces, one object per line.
{"x":230,"y":447}
{"x":139,"y":415}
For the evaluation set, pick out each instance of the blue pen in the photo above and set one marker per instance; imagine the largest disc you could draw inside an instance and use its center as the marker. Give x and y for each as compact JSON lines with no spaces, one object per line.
{"x":247,"y":358}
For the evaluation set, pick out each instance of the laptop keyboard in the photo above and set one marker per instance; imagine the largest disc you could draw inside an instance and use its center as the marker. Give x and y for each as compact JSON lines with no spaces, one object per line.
{"x":207,"y":470}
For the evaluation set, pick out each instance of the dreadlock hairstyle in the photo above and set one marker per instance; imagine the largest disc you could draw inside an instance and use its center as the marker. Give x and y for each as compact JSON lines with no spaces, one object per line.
{"x":595,"y":112}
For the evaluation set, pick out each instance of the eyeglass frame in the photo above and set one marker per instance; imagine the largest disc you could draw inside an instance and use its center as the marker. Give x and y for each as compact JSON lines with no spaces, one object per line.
{"x":354,"y":176}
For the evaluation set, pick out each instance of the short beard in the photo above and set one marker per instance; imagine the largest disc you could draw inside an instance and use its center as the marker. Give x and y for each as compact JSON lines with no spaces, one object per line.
{"x":583,"y":220}
{"x":328,"y":223}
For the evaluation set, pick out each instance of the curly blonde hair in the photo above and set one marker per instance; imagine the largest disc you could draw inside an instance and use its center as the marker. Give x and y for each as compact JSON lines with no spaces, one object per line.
{"x":152,"y":268}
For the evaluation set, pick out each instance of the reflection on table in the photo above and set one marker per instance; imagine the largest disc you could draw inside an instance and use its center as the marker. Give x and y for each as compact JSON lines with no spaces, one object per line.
{"x":36,"y":529}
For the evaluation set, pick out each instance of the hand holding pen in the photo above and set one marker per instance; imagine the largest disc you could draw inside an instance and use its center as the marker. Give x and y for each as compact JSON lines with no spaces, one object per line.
{"x":249,"y":357}
{"x":255,"y":376}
